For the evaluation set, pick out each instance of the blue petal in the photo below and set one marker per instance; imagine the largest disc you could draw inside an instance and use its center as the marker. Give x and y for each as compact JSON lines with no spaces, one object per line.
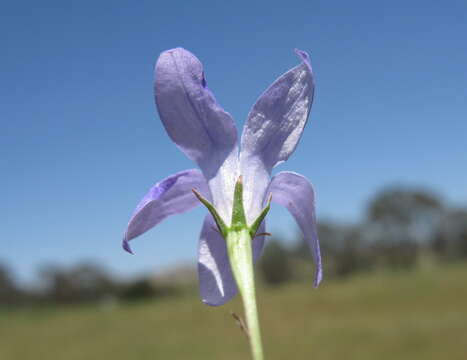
{"x":172,"y":195}
{"x":275,"y":123}
{"x":188,"y":109}
{"x":295,"y":192}
{"x":196,"y":123}
{"x":273,"y":130}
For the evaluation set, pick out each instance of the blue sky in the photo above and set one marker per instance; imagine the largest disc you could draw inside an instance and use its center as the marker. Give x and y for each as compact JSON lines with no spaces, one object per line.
{"x":81,"y":141}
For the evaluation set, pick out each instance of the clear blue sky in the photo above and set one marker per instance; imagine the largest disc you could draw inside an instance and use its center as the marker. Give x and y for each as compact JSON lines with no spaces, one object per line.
{"x":81,"y":141}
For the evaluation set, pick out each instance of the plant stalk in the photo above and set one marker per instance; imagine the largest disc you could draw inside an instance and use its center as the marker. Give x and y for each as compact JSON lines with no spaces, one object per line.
{"x":241,"y":260}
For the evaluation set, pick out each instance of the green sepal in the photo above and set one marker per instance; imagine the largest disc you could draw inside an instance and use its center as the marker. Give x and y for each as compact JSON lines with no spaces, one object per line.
{"x":223,"y":229}
{"x":254,"y":227}
{"x":238,"y":212}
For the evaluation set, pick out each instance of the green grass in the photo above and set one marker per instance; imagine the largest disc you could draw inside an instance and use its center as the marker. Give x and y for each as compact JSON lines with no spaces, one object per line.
{"x":414,"y":315}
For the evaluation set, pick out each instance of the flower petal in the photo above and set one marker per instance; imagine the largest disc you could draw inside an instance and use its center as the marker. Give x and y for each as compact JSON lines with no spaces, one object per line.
{"x":172,"y":195}
{"x":296,"y":193}
{"x":276,"y":121}
{"x":196,"y":123}
{"x":273,"y":129}
{"x":188,"y":110}
{"x":216,"y":282}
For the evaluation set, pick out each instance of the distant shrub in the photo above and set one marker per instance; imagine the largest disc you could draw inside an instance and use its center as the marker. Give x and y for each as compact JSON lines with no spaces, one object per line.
{"x":275,"y":265}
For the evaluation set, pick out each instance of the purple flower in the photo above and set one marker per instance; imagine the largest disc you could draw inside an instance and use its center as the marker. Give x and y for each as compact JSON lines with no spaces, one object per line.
{"x":207,"y":135}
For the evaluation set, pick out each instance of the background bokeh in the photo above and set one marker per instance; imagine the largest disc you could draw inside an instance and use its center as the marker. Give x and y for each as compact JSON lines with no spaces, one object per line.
{"x":385,"y":148}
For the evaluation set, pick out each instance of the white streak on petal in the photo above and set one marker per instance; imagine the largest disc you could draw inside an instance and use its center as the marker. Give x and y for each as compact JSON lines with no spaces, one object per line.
{"x":206,"y":259}
{"x":216,"y":282}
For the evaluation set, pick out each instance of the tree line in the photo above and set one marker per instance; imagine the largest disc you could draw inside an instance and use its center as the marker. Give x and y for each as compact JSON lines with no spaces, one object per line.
{"x":86,"y":282}
{"x":402,"y":228}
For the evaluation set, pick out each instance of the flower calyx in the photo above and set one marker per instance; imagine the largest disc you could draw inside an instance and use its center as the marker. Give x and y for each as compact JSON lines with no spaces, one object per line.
{"x":238,"y":221}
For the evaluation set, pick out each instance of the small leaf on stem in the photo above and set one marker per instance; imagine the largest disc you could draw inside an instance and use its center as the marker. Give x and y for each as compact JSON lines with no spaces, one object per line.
{"x":223,"y":229}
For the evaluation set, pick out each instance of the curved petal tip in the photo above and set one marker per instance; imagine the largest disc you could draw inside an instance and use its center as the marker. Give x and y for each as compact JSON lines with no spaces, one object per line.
{"x":126,"y":246}
{"x":319,"y":265}
{"x":303,"y":55}
{"x":318,"y":276}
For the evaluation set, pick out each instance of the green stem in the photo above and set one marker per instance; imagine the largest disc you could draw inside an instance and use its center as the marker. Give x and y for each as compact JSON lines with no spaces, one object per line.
{"x":241,"y":261}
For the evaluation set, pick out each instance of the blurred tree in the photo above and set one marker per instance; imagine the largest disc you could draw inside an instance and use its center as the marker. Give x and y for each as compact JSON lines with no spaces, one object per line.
{"x":83,"y":282}
{"x":57,"y":286}
{"x":275,"y":263}
{"x":138,"y":290}
{"x":145,"y":288}
{"x":343,"y":249}
{"x":353,"y":254}
{"x":450,"y":242}
{"x":91,"y":282}
{"x":415,"y":213}
{"x":395,"y":254}
{"x":9,"y":293}
{"x":399,"y":221}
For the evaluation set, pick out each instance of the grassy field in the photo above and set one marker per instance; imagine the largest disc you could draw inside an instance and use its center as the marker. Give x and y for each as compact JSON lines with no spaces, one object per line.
{"x":415,"y":315}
